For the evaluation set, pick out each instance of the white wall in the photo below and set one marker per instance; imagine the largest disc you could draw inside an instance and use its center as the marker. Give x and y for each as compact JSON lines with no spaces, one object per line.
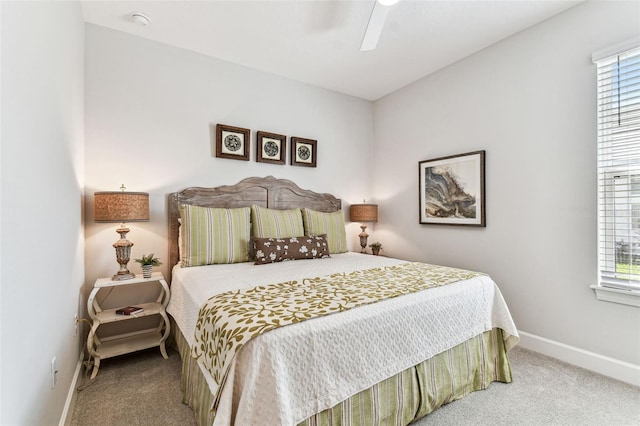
{"x":530,"y":102}
{"x":42,"y":270}
{"x":149,"y":112}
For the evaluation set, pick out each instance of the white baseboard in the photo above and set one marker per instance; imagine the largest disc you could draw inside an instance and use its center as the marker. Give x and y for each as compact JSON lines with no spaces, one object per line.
{"x":611,"y":367}
{"x":65,"y":419}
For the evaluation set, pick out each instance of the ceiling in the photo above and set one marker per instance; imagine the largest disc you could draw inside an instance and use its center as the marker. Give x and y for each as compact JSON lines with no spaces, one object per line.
{"x":318,"y":42}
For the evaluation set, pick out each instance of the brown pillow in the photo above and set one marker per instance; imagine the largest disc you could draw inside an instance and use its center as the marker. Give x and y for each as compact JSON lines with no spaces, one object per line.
{"x":270,"y":250}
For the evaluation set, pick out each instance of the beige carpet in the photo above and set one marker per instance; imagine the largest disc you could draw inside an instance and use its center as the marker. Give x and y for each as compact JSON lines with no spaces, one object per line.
{"x":137,"y":389}
{"x":544,"y":392}
{"x":144,"y":389}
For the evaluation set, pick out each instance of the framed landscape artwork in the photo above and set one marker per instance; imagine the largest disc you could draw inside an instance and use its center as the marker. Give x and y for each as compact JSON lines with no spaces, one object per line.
{"x":451,"y":190}
{"x":232,"y":142}
{"x":303,"y":152}
{"x":271,"y":148}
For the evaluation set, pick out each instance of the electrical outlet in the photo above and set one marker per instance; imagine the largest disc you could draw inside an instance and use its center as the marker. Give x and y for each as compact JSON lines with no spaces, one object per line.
{"x":75,"y":321}
{"x":54,"y":373}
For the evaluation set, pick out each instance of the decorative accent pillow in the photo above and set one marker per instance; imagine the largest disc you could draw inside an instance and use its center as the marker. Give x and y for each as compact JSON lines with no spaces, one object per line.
{"x":210,"y":235}
{"x":270,"y":250}
{"x":332,"y":224}
{"x":272,"y":223}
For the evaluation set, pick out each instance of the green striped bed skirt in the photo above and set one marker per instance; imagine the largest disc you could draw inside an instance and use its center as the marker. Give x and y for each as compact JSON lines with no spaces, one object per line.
{"x":398,"y":400}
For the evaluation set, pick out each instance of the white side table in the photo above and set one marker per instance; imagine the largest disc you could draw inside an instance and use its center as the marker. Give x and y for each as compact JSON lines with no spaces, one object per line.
{"x":127,"y":342}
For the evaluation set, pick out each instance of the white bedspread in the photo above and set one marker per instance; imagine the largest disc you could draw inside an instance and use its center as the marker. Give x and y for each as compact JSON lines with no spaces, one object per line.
{"x":288,"y":374}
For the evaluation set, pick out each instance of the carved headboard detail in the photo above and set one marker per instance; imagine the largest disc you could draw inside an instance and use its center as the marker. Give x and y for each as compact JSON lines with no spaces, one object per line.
{"x":265,"y":192}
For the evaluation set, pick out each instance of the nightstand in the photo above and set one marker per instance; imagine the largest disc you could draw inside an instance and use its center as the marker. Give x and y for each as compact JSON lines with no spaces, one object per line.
{"x":120,"y":344}
{"x":371,"y":254}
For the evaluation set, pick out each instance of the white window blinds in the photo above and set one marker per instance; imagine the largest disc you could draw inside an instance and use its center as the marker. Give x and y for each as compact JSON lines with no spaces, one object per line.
{"x":619,"y":170}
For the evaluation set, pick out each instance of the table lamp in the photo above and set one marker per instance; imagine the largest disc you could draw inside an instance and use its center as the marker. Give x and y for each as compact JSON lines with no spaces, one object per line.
{"x":363,"y":213}
{"x":121,"y":206}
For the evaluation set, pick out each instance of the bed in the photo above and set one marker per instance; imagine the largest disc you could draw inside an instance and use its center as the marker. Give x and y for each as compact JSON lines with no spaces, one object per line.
{"x":368,"y":345}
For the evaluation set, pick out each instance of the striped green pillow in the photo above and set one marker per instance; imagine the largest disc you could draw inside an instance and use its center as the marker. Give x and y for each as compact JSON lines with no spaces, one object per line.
{"x":211,"y":235}
{"x":332,"y":224}
{"x":272,"y":223}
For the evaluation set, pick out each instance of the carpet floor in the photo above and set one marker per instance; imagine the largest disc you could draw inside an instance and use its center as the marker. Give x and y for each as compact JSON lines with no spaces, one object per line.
{"x":144,"y":389}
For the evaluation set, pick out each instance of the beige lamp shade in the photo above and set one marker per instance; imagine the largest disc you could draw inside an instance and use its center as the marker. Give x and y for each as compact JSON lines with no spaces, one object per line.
{"x":120,"y":206}
{"x":363,"y":212}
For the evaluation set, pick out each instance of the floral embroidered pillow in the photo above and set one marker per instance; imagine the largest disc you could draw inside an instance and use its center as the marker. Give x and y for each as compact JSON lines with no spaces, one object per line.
{"x":270,"y":250}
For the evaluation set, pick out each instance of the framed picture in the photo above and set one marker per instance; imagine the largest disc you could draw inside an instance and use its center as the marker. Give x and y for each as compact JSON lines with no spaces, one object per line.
{"x":452,"y":190}
{"x":303,"y":152}
{"x":232,"y":142}
{"x":271,"y":148}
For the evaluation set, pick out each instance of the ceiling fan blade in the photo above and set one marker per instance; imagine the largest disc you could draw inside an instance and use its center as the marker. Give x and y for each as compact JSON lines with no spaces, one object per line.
{"x":374,"y":28}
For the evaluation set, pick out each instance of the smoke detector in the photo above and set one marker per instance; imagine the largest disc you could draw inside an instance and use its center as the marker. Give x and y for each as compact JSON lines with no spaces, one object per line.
{"x":140,"y":18}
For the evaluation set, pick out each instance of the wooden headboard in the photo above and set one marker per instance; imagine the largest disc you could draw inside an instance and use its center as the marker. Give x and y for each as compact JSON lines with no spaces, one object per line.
{"x":265,"y":192}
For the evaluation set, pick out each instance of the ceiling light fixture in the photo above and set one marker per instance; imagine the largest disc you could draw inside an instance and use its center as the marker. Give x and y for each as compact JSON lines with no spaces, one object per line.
{"x":140,"y":18}
{"x":387,"y":2}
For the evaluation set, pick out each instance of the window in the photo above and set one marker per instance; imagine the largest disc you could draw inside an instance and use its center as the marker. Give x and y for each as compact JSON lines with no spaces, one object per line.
{"x":618,"y":79}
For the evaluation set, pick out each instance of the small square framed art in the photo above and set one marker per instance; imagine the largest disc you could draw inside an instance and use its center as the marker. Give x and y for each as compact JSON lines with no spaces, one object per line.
{"x":303,"y":152}
{"x":232,"y":142}
{"x":271,"y":148}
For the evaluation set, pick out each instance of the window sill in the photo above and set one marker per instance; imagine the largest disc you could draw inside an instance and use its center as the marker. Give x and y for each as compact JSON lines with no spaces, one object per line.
{"x":625,"y":297}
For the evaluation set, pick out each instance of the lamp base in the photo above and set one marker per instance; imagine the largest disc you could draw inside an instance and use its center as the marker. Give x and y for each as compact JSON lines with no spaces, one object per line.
{"x":123,"y":255}
{"x":363,"y":238}
{"x":120,"y":277}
